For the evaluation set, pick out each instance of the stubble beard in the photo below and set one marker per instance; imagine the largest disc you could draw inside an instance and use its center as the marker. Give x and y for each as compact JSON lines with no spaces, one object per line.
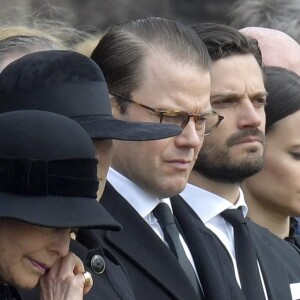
{"x":219,"y":165}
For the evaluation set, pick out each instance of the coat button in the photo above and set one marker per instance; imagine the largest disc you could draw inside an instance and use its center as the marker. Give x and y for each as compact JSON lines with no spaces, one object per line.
{"x":98,"y":264}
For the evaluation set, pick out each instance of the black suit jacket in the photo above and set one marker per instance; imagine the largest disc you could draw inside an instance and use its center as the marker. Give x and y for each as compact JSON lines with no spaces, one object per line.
{"x":279,"y":261}
{"x":154,"y":272}
{"x":212,"y":261}
{"x":112,"y":284}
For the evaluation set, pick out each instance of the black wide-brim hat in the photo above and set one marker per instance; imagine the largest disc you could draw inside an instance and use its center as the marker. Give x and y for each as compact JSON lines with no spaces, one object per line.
{"x":71,"y":84}
{"x":48,"y":172}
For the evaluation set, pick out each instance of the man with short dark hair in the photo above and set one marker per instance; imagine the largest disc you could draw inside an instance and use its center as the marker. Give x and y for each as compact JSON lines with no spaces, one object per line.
{"x":233,"y":153}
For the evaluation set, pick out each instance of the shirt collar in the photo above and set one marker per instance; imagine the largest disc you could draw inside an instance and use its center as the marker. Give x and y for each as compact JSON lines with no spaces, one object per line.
{"x":208,"y":205}
{"x":140,"y":200}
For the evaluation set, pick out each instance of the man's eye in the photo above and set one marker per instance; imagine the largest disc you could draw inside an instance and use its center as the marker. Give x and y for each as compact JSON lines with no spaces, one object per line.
{"x":201,"y":121}
{"x":295,"y":155}
{"x":173,"y":119}
{"x":259,"y":102}
{"x":223,"y":102}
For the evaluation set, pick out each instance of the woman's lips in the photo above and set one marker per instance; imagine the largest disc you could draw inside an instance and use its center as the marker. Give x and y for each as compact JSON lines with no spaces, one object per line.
{"x":42,"y":268}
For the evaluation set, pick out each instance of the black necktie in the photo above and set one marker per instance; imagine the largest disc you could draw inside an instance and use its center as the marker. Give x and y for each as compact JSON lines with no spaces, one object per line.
{"x":245,"y":253}
{"x":165,"y":218}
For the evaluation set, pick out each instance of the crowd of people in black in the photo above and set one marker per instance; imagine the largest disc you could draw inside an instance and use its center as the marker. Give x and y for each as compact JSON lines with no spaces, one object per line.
{"x":151,"y":160}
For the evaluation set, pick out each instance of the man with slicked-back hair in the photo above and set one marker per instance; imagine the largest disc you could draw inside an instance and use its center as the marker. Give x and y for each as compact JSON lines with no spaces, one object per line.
{"x":157,"y":70}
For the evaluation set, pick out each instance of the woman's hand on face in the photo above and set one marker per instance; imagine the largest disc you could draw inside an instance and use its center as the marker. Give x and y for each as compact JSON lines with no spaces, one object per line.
{"x":65,"y":280}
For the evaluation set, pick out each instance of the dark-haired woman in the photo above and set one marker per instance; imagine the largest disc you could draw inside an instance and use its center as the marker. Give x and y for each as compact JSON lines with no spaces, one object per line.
{"x":273,"y":194}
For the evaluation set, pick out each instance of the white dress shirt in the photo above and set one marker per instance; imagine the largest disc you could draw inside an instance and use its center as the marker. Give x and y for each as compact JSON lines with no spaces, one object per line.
{"x":208,"y":207}
{"x":143,"y":203}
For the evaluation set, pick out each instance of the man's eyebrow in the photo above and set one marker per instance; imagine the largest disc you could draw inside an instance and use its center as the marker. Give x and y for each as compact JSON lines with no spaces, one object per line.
{"x":295,"y":147}
{"x":227,"y":95}
{"x":234,"y":95}
{"x":260,"y":95}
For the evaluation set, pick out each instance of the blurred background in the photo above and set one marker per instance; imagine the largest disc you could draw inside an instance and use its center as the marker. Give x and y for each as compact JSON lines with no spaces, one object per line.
{"x":96,"y":15}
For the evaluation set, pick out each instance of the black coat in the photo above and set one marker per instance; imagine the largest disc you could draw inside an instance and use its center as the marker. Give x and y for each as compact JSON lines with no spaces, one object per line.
{"x":211,"y":258}
{"x":9,"y":293}
{"x":153,"y":271}
{"x":279,"y":261}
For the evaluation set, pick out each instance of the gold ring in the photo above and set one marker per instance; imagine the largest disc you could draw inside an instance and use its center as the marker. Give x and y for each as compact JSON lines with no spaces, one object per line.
{"x":87,"y":278}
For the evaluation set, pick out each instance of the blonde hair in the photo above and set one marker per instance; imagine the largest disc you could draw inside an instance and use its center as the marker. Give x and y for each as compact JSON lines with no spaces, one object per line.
{"x":17,"y":22}
{"x":87,"y":46}
{"x":21,"y":34}
{"x":8,"y":31}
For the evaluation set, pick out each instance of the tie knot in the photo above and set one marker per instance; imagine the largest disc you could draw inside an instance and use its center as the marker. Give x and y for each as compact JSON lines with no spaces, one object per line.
{"x":163,"y":214}
{"x":234,"y":216}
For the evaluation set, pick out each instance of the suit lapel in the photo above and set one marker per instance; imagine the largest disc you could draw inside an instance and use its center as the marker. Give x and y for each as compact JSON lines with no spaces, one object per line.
{"x":140,"y":244}
{"x":274,"y":274}
{"x":213,"y":263}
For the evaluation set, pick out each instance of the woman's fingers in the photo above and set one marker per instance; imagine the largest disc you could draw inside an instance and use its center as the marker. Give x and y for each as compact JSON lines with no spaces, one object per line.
{"x":66,"y":280}
{"x":70,"y":265}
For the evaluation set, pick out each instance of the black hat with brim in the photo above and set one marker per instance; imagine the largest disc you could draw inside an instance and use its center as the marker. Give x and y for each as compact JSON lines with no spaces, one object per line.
{"x":71,"y":84}
{"x":57,"y":211}
{"x":48,"y":172}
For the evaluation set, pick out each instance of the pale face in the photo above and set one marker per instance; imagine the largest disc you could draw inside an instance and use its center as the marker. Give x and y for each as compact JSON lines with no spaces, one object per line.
{"x":104,"y":152}
{"x":28,"y":251}
{"x":162,"y":167}
{"x":235,"y":149}
{"x":277,"y":186}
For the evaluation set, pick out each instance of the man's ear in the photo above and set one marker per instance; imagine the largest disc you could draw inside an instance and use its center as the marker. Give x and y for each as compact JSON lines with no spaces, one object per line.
{"x":113,"y":101}
{"x":114,"y":106}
